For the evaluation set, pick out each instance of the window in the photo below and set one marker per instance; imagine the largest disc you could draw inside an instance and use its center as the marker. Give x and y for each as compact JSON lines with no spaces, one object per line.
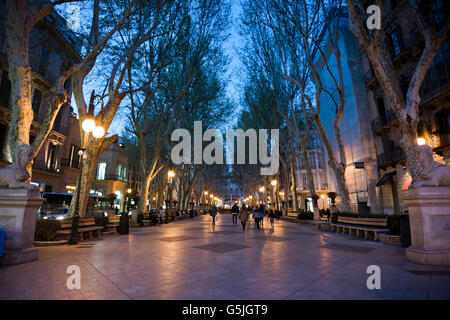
{"x":5,"y":90}
{"x":396,"y":41}
{"x":74,"y":159}
{"x":438,"y":11}
{"x":101,"y":171}
{"x":124,"y":173}
{"x":119,"y":171}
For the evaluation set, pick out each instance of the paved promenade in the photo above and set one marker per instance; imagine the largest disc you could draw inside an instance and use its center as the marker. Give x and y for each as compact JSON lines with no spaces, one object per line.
{"x":188,"y":260}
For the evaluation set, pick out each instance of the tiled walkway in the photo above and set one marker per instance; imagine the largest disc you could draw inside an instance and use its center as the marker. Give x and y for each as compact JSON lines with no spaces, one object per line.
{"x":188,"y":260}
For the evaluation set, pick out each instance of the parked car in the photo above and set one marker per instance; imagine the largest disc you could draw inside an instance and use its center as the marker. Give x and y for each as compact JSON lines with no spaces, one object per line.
{"x":58,"y":214}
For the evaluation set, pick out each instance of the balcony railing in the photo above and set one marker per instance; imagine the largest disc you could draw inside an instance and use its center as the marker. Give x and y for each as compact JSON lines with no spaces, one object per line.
{"x":390,"y":158}
{"x":440,"y":139}
{"x":42,"y":166}
{"x":114,"y":177}
{"x":382,"y":122}
{"x":437,"y":80}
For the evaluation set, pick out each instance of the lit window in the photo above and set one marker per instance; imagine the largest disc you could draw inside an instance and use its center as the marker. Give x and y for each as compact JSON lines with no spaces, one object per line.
{"x":101,"y":171}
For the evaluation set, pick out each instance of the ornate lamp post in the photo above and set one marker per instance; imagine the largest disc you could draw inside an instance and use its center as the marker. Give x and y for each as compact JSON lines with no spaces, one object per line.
{"x":98,"y":132}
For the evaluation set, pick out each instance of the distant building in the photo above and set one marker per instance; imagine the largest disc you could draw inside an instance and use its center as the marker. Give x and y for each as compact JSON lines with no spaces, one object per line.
{"x":316,"y":158}
{"x":361,"y":171}
{"x":52,"y":47}
{"x":111,"y":175}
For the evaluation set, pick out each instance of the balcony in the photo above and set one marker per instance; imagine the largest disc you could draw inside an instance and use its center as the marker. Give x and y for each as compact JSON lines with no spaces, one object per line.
{"x":390,"y":158}
{"x":437,"y":81}
{"x":440,"y":140}
{"x":42,"y":166}
{"x":381,"y":124}
{"x":114,"y":177}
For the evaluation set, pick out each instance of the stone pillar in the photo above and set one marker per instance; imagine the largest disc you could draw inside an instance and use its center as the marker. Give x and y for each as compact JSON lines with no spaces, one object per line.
{"x":429,"y":211}
{"x":18,"y":216}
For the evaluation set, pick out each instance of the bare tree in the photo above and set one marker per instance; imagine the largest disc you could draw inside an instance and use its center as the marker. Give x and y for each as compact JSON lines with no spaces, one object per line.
{"x":405,"y":108}
{"x":20,"y":18}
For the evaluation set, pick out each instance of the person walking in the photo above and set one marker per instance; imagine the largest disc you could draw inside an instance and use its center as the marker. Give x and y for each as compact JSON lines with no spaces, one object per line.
{"x":243,"y":216}
{"x":257,"y":215}
{"x":272,"y":218}
{"x":234,"y":213}
{"x":213,"y":214}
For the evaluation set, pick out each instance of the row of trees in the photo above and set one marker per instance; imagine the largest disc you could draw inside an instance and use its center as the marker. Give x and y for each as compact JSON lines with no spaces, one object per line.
{"x":286,"y":42}
{"x":161,"y":59}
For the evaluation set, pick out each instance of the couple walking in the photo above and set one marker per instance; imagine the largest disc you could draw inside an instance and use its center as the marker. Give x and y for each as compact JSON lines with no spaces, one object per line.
{"x":244,"y":213}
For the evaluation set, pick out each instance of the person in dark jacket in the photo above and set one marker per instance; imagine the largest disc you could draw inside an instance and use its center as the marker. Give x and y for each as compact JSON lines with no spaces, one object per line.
{"x":234,"y":213}
{"x":213,"y":214}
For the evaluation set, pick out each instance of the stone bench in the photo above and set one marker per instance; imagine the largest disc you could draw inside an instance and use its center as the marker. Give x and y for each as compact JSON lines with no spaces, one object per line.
{"x":367,"y":228}
{"x":86,"y":229}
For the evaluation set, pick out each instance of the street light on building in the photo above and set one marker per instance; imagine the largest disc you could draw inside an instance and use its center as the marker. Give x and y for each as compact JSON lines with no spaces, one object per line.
{"x":87,"y":126}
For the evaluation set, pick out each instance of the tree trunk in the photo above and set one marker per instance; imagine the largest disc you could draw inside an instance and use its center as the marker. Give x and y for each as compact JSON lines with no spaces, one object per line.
{"x":294,"y":185}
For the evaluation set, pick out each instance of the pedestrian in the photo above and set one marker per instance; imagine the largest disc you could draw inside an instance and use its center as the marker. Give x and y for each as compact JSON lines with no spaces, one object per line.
{"x":243,"y":216}
{"x":161,"y":215}
{"x":257,"y":215}
{"x":234,"y":213}
{"x":213,"y":214}
{"x":272,"y":218}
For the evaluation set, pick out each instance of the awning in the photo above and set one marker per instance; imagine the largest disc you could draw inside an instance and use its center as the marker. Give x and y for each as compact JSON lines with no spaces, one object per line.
{"x":386,"y":178}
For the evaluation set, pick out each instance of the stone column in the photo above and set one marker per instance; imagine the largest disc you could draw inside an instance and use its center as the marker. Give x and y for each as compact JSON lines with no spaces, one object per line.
{"x":429,"y":211}
{"x":18,"y":216}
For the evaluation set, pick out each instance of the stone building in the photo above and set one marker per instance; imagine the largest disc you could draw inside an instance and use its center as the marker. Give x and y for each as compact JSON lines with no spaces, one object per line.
{"x":361,"y":169}
{"x":316,"y":157}
{"x":52,"y":47}
{"x":405,"y":44}
{"x":111,"y":175}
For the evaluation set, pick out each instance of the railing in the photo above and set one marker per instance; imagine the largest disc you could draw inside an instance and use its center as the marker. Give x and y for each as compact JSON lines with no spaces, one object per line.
{"x":437,"y":80}
{"x":390,"y":158}
{"x":42,"y":166}
{"x":439,"y":139}
{"x":114,"y":177}
{"x":382,"y":122}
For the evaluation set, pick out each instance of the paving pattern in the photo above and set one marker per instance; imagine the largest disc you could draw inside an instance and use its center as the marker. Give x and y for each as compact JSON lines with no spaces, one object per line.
{"x":190,"y":260}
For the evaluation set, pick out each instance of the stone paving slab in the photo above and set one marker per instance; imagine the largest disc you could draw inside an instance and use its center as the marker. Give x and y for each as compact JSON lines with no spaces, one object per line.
{"x":191,"y":260}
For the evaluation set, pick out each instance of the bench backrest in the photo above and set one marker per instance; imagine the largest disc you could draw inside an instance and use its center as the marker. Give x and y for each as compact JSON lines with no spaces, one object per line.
{"x":377,"y":222}
{"x":323,"y":218}
{"x":82,"y":222}
{"x":114,"y":219}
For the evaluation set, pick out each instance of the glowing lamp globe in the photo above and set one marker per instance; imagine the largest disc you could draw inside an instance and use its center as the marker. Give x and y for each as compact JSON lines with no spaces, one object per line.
{"x":421,"y":141}
{"x":98,"y":132}
{"x":88,"y":125}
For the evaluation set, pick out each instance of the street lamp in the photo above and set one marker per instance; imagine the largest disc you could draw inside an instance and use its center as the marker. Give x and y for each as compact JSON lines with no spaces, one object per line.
{"x":421,"y":141}
{"x":170,"y":175}
{"x":261,"y":190}
{"x":274,"y":184}
{"x":88,"y":126}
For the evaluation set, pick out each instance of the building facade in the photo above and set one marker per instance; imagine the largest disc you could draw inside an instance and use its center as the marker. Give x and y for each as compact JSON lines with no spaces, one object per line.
{"x":405,"y":43}
{"x":316,"y":158}
{"x":111,"y":175}
{"x":52,"y":48}
{"x":361,"y":168}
